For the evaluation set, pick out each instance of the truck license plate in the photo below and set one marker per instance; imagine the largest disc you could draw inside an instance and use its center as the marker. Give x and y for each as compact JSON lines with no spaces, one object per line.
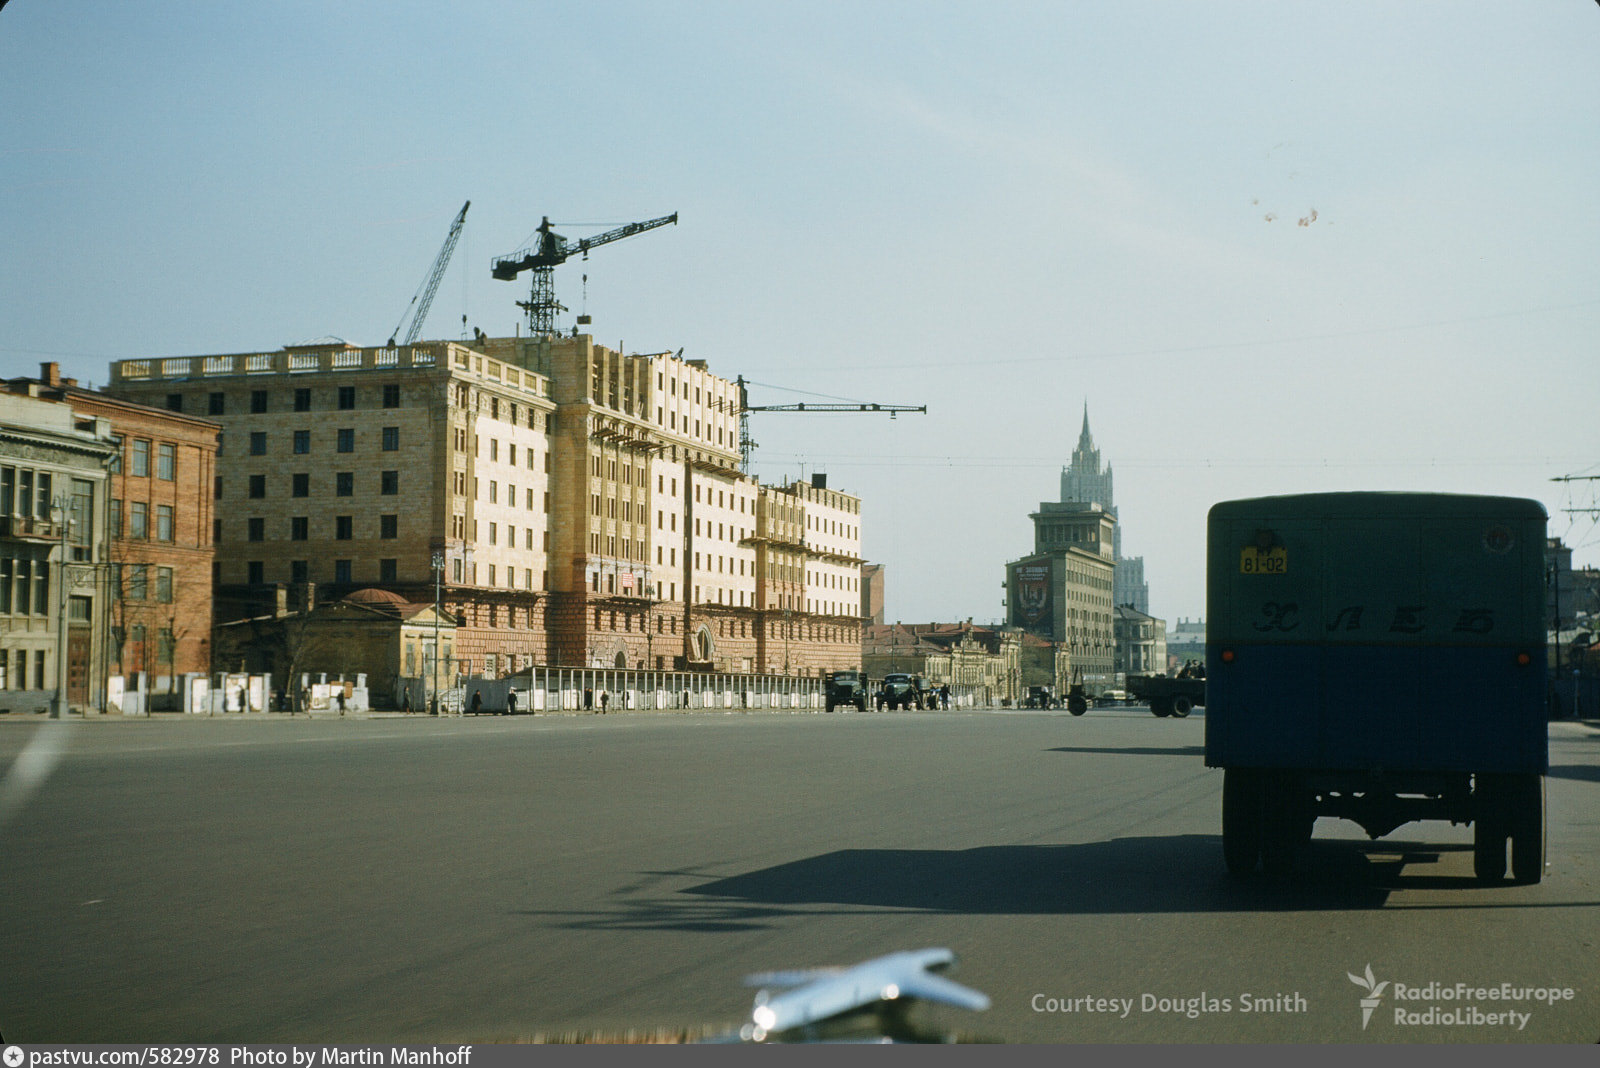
{"x":1273,"y":561}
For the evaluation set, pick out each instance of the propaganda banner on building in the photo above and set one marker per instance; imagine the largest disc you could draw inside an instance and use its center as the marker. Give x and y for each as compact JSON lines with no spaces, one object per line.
{"x":1031,"y":583}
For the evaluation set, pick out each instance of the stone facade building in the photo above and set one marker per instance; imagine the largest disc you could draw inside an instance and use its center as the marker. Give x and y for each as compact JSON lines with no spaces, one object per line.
{"x":55,"y":558}
{"x":991,"y":665}
{"x":1141,"y":643}
{"x":574,"y":505}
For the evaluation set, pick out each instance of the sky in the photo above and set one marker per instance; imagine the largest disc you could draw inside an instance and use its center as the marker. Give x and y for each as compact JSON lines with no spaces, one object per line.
{"x":1274,"y":247}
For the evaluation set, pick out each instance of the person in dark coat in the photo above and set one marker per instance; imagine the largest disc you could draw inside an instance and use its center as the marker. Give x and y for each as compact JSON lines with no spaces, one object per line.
{"x":477,"y":702}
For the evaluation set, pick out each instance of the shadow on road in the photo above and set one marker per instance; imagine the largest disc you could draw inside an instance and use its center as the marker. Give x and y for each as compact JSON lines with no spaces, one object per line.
{"x":1181,"y":873}
{"x":1133,"y":750}
{"x":1580,"y":772}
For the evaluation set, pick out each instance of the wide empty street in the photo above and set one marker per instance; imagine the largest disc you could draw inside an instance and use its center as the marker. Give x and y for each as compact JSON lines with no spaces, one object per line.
{"x":500,"y":879}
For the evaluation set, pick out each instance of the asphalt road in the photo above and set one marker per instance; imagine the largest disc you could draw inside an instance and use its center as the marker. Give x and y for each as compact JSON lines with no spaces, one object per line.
{"x":490,"y":879}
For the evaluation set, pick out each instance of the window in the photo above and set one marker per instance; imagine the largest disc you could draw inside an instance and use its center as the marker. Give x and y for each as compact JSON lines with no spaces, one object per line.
{"x":344,"y":527}
{"x":114,"y":521}
{"x":391,"y":395}
{"x":163,"y":522}
{"x":299,"y":528}
{"x":255,"y":572}
{"x":388,"y":569}
{"x":341,"y":571}
{"x":299,"y":571}
{"x":139,"y":582}
{"x":216,"y":536}
{"x":344,"y":484}
{"x":139,"y":520}
{"x":141,"y":458}
{"x":302,"y":400}
{"x":389,"y":526}
{"x":258,"y":401}
{"x":216,"y":404}
{"x":302,"y":442}
{"x":390,"y":483}
{"x":347,"y":398}
{"x":257,"y":529}
{"x":174,"y":402}
{"x":164,"y":585}
{"x":302,"y":485}
{"x":258,"y":486}
{"x":258,"y":443}
{"x":347,"y":440}
{"x":391,"y":439}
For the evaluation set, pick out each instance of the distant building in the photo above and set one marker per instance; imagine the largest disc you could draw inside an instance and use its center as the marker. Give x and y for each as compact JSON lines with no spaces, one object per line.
{"x":872,"y":593}
{"x":1186,"y":641}
{"x":1086,"y":481}
{"x":984,"y":664}
{"x":1063,"y":591}
{"x":1141,"y":643}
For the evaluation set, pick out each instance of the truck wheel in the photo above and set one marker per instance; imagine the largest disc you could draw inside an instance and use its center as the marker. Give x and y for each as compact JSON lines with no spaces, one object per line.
{"x":1161,"y":707}
{"x":1488,"y":830}
{"x":1287,"y":819}
{"x":1181,"y":707}
{"x":1077,"y":706}
{"x":1243,"y":805}
{"x":1524,"y":815}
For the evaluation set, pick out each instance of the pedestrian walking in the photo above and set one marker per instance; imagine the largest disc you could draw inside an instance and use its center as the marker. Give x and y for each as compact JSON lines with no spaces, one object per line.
{"x":588,"y":699}
{"x":477,"y":701}
{"x":405,"y":699}
{"x":339,"y":697}
{"x":244,"y":700}
{"x":511,"y":702}
{"x":605,"y":700}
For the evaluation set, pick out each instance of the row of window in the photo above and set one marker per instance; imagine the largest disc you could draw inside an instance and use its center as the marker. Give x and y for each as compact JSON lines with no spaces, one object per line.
{"x":344,"y":441}
{"x":344,"y":484}
{"x":300,"y":528}
{"x":24,"y":586}
{"x":138,"y":516}
{"x":300,"y":571}
{"x":261,"y":399}
{"x":17,"y":677}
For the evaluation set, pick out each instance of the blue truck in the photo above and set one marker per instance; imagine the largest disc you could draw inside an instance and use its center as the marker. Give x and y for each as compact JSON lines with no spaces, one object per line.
{"x":1377,"y":657}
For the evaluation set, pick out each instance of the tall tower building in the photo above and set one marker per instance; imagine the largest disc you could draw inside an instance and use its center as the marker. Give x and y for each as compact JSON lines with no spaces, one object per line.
{"x":1086,"y":481}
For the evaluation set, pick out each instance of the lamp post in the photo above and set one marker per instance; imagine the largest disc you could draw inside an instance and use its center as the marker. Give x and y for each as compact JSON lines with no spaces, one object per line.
{"x":438,"y":575}
{"x":62,"y":516}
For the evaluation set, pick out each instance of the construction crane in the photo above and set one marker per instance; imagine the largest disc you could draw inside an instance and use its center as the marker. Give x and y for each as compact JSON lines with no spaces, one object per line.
{"x":550,"y":251}
{"x":748,"y":446}
{"x":422,"y":300}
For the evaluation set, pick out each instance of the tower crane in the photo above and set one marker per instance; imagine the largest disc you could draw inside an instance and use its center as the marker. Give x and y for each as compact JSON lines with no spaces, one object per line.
{"x":423,"y":298}
{"x":748,"y":446}
{"x":550,"y":251}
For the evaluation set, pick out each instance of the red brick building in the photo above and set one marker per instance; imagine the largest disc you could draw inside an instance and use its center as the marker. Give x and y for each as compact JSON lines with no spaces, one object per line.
{"x":162,"y":502}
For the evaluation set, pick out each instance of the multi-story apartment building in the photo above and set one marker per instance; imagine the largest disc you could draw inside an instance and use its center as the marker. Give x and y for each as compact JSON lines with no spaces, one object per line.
{"x":1064,"y":591}
{"x":343,"y":468}
{"x":575,"y":505}
{"x":54,"y":558}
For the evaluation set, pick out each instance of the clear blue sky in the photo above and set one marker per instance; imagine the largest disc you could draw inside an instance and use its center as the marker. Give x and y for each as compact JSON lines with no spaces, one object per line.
{"x":1275,"y":247}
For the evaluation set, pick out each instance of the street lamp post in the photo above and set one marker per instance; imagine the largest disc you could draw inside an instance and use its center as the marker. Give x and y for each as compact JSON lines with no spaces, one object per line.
{"x":438,"y":575}
{"x":60,"y":513}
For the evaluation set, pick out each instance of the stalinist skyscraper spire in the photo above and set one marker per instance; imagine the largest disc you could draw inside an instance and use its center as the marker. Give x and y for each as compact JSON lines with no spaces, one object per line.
{"x":1086,"y":481}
